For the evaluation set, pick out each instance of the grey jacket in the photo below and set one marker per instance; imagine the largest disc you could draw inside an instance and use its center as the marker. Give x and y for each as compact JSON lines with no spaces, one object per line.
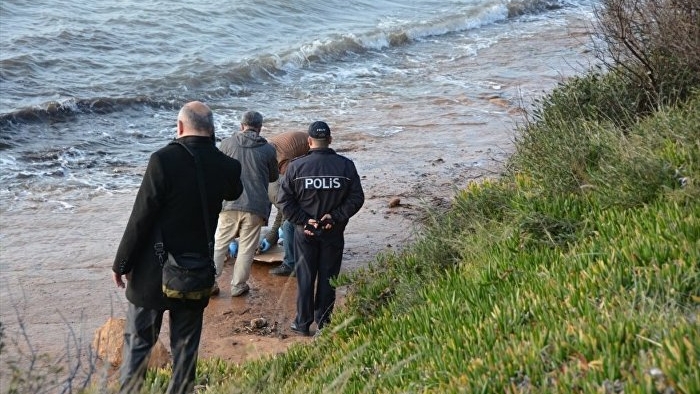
{"x":259,"y":167}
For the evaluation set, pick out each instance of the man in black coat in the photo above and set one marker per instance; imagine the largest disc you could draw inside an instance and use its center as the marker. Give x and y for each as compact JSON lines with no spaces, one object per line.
{"x":169,"y":200}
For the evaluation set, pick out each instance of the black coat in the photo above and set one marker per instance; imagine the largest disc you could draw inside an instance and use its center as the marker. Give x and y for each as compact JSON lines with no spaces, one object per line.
{"x":318,"y":183}
{"x":169,"y":198}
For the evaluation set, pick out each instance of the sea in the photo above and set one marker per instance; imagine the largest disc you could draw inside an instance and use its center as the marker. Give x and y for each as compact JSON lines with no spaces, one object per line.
{"x":413,"y":90}
{"x":89,"y":89}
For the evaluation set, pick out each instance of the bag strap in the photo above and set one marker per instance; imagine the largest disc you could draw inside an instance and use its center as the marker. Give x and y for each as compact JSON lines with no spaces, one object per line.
{"x":202,"y":193}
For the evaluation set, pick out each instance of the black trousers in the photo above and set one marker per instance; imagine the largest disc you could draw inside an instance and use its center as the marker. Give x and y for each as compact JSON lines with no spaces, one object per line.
{"x":141,"y":333}
{"x":318,"y":260}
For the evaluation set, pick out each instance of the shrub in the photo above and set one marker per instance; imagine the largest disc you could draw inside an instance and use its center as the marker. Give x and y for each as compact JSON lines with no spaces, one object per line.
{"x":655,"y":44}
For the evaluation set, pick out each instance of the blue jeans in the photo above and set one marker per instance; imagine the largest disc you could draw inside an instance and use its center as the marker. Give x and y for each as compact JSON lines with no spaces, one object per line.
{"x":288,"y":244}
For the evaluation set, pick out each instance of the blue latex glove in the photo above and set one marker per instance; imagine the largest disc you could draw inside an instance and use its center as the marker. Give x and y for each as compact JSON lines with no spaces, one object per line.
{"x":264,"y":246}
{"x":233,"y":249}
{"x":280,"y":233}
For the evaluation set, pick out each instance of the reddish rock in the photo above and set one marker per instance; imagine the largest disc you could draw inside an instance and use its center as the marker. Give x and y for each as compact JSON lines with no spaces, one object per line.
{"x":500,"y":102}
{"x":394,"y":202}
{"x":109,"y":341}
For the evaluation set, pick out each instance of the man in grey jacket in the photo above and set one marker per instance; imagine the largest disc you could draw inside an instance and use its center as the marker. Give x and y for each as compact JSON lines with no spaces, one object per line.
{"x":244,"y":217}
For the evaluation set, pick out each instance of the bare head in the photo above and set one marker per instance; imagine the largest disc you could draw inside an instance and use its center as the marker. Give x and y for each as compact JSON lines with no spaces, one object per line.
{"x":319,"y":135}
{"x":251,"y":120}
{"x":195,"y":118}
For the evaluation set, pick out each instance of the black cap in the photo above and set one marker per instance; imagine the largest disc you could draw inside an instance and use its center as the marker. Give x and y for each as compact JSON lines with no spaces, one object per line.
{"x":319,"y":130}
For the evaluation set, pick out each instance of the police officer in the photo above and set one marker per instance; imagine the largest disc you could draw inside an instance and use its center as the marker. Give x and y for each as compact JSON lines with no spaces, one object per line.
{"x":318,"y":194}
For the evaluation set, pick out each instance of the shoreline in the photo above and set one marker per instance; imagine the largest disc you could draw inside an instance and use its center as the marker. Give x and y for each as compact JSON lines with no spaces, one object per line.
{"x":65,"y":294}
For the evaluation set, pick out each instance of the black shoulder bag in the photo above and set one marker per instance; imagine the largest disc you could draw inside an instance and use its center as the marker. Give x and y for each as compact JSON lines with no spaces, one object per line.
{"x":189,"y":276}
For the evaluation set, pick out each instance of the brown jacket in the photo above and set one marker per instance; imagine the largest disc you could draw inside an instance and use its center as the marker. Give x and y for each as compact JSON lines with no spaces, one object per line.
{"x":289,"y":145}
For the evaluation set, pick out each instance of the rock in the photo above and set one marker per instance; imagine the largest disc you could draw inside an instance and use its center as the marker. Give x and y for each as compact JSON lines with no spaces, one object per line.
{"x":517,"y":111}
{"x":394,"y":202}
{"x":500,"y":102}
{"x":258,"y":323}
{"x":109,"y":341}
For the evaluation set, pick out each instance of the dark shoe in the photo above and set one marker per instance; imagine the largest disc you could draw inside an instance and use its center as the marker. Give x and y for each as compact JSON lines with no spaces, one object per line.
{"x":215,"y":290}
{"x":282,"y":270}
{"x":299,"y":331}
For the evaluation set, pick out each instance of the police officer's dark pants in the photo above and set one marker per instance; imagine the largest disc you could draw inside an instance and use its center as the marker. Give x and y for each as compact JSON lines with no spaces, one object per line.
{"x":317,"y":257}
{"x":141,"y":333}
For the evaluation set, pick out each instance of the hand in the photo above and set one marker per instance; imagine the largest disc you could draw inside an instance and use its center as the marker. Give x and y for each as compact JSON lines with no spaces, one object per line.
{"x":264,"y":246}
{"x":117,"y":279}
{"x":327,"y":221}
{"x":311,"y":228}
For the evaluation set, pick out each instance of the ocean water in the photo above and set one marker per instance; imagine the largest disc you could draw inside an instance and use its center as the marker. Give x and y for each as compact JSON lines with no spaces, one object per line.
{"x":89,"y":89}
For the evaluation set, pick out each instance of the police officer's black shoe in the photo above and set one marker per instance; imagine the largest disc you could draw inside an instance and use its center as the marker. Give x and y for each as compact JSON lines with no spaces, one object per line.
{"x":299,"y":331}
{"x":282,"y":270}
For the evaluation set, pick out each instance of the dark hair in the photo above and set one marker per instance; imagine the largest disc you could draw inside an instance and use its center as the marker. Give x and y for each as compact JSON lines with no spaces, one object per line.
{"x":252,"y":119}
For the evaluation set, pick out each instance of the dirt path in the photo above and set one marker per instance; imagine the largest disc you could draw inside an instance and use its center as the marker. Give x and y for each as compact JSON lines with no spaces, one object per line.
{"x":228,"y":329}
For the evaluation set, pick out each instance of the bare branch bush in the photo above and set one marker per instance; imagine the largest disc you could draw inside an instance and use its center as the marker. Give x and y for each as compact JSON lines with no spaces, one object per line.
{"x":655,"y":44}
{"x":25,"y":369}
